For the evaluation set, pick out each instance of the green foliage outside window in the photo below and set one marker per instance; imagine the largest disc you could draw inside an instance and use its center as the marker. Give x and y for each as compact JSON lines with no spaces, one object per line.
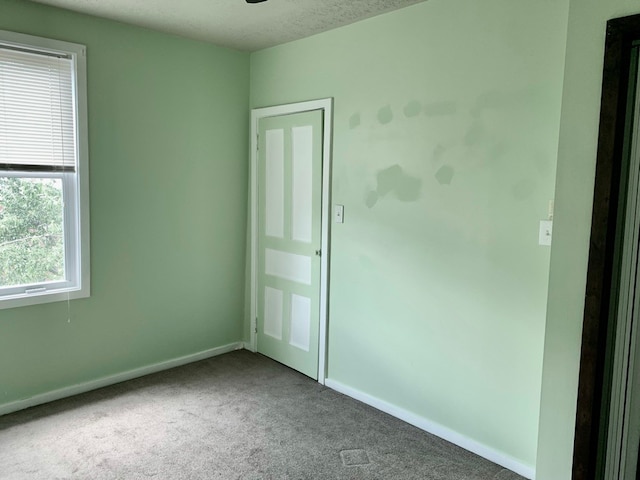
{"x":31,"y":231}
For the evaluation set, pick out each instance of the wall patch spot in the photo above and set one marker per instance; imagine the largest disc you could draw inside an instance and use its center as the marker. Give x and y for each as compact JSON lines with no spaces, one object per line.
{"x":445,"y":174}
{"x":437,"y":109}
{"x":387,"y":179}
{"x":371,"y":199}
{"x":488,"y":100}
{"x":405,"y":188}
{"x":408,"y":188}
{"x":385,"y":115}
{"x":412,"y":109}
{"x":354,"y":121}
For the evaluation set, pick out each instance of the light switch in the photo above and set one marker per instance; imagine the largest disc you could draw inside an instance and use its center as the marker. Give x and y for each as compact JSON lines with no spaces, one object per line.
{"x":544,"y":237}
{"x":338,"y":213}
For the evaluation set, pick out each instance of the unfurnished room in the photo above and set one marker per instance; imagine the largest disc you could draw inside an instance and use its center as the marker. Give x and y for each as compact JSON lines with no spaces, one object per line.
{"x":314,"y":239}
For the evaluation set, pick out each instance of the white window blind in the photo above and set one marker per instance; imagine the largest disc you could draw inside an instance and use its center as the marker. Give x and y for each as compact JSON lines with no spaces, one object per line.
{"x":37,"y":128}
{"x":44,"y":171}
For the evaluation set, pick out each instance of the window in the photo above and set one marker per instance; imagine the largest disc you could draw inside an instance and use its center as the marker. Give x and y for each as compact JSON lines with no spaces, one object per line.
{"x":44,"y":211}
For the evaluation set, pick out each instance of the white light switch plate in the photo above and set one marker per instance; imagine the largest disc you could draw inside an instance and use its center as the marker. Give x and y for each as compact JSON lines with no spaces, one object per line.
{"x":546,"y":229}
{"x":338,"y":213}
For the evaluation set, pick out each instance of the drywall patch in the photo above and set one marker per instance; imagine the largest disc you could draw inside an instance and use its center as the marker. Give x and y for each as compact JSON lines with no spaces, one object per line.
{"x":387,"y":179}
{"x":475,"y":134}
{"x":371,"y":199}
{"x":412,"y":109}
{"x":393,"y":180}
{"x":437,"y":109}
{"x":354,"y":121}
{"x":385,"y":115}
{"x":445,"y":175}
{"x":489,"y":100}
{"x":408,"y":188}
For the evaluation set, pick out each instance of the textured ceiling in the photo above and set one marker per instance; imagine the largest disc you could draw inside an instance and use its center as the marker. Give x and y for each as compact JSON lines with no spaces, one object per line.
{"x":234,"y":23}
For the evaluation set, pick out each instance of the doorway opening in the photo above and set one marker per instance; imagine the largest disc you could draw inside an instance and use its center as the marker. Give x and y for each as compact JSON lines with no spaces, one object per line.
{"x":607,"y":430}
{"x":290,"y":233}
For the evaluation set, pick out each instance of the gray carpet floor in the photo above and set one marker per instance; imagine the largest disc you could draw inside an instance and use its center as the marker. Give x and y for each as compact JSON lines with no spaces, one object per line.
{"x":238,"y":416}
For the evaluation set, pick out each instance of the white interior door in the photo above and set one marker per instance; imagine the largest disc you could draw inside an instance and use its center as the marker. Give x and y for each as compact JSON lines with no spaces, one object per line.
{"x":289,"y":238}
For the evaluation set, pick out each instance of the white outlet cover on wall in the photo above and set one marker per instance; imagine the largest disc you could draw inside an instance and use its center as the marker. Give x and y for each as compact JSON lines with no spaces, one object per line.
{"x":546,"y":230}
{"x":338,"y":214}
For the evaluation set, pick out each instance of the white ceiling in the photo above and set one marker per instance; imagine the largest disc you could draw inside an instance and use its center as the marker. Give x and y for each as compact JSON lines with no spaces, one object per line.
{"x":234,"y":23}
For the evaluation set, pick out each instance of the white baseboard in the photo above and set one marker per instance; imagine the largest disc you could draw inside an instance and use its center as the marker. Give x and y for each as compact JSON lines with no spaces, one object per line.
{"x":436,"y":429}
{"x":248,"y":346}
{"x":117,"y":378}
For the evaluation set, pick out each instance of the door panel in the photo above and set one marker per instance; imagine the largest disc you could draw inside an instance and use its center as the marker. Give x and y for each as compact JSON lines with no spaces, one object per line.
{"x":289,"y":238}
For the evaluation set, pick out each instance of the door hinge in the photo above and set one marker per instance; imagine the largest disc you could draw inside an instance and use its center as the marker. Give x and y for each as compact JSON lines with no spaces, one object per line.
{"x":255,"y":328}
{"x":319,"y":253}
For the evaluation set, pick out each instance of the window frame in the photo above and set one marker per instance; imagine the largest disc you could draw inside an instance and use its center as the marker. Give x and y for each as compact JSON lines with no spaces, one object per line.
{"x":75,"y":188}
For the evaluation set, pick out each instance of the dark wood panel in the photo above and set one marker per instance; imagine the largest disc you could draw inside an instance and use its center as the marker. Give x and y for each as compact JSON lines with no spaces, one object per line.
{"x":594,"y":387}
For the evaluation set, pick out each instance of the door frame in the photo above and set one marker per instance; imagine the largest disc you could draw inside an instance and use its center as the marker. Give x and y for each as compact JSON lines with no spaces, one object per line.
{"x":326,"y":106}
{"x":598,"y":333}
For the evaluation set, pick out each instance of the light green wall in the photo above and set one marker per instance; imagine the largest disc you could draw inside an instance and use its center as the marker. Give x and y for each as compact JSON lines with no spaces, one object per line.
{"x":574,"y":197}
{"x":446,"y":134}
{"x":438,"y":296}
{"x":168,"y":122}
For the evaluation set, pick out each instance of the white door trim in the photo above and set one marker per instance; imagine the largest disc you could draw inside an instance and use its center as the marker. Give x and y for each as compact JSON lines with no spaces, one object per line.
{"x":326,"y":105}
